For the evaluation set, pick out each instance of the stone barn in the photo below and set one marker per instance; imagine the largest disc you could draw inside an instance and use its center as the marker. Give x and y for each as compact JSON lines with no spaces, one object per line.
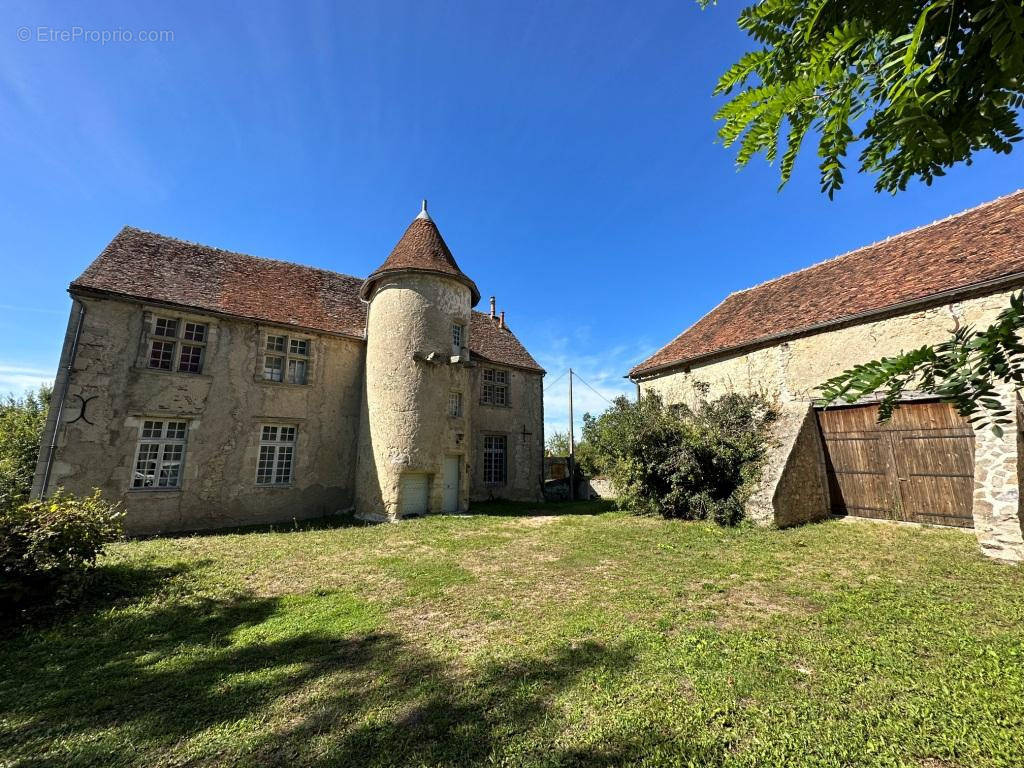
{"x":204,"y":388}
{"x":788,"y":335}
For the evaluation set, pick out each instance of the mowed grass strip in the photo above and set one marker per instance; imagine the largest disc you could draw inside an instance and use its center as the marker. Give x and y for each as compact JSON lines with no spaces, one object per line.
{"x":561,"y":635}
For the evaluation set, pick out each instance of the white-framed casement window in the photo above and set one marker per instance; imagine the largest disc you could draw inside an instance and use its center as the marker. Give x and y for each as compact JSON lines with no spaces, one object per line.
{"x":160,"y":455}
{"x":176,"y":344}
{"x":458,"y":338}
{"x":495,"y":387}
{"x":495,"y":459}
{"x":286,"y":359}
{"x":276,"y":462}
{"x":455,"y":404}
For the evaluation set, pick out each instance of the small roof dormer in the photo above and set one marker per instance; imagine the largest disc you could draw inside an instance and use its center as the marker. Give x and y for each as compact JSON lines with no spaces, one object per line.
{"x":420,"y":250}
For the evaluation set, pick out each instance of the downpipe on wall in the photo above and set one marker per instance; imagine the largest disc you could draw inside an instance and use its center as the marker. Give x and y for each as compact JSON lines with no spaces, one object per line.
{"x":60,"y":401}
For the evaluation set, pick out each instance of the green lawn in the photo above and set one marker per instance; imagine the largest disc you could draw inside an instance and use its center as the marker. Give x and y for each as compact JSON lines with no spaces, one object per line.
{"x":583,"y":636}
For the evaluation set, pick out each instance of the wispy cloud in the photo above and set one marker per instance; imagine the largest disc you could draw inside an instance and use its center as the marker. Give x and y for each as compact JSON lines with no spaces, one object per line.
{"x":16,"y":379}
{"x":599,"y":379}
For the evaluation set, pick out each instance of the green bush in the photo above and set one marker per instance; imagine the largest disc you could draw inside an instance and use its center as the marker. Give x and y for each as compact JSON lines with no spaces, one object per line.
{"x":48,"y":547}
{"x":694,"y":464}
{"x":21,"y":429}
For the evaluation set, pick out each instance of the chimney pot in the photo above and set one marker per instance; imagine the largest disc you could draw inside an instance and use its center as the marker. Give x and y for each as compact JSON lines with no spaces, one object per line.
{"x":492,"y":307}
{"x":501,"y":322}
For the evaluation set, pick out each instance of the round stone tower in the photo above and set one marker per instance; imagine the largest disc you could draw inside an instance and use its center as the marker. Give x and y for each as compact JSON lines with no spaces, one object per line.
{"x":414,"y":434}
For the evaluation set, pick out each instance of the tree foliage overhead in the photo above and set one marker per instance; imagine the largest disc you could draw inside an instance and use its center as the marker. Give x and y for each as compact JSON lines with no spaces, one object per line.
{"x":920,"y":85}
{"x":965,"y":370}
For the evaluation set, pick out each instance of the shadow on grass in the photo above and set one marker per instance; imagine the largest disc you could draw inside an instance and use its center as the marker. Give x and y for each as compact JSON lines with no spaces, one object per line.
{"x":549,"y":508}
{"x":302,"y":680}
{"x":326,"y":523}
{"x":108,"y":584}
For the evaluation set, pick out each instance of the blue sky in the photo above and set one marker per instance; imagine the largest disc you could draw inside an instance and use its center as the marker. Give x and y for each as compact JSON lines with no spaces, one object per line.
{"x":567,"y":150}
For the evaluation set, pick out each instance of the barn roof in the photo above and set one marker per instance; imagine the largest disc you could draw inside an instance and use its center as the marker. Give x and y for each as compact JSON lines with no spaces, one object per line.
{"x":150,"y":267}
{"x":978,"y":249}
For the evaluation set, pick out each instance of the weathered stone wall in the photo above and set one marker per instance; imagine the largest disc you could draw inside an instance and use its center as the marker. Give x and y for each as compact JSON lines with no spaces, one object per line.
{"x":405,"y":421}
{"x":789,"y":373}
{"x":224,"y":406}
{"x":522,"y":422}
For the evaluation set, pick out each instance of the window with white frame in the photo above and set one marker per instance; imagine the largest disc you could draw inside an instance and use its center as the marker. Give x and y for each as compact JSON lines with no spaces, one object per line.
{"x":455,"y":404}
{"x":495,"y":459}
{"x":286,"y":359}
{"x":160,"y":455}
{"x":276,"y":462}
{"x":495,"y":387}
{"x":176,"y":344}
{"x":458,"y":338}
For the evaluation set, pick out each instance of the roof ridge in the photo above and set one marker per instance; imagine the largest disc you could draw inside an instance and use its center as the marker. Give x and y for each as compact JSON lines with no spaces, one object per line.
{"x":940,"y":259}
{"x":887,"y":239}
{"x":204,"y":246}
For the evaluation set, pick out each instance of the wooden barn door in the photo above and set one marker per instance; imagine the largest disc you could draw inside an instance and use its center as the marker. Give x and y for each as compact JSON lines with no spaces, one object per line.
{"x":918,"y":467}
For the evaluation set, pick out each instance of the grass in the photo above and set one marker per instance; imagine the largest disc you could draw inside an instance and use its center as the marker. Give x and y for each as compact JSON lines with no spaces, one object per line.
{"x":576,"y":636}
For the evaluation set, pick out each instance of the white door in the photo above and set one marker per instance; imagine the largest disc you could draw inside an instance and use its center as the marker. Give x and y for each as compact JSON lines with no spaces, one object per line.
{"x":413,"y":493}
{"x":451,"y":483}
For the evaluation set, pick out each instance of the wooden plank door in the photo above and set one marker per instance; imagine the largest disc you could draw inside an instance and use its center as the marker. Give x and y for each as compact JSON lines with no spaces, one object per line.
{"x":918,"y":467}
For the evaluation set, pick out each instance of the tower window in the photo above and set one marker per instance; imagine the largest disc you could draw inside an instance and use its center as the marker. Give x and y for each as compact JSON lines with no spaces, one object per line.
{"x":455,"y":404}
{"x":458,"y":338}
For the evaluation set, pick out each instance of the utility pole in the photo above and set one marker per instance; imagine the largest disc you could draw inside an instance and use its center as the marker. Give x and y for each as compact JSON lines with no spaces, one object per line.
{"x":572,"y":447}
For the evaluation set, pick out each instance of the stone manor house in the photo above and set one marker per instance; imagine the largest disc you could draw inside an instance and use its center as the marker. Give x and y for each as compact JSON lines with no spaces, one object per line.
{"x":204,"y":388}
{"x":787,"y":336}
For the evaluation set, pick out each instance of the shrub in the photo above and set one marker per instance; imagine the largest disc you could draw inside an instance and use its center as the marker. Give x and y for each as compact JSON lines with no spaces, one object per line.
{"x":693,"y":464}
{"x":48,"y":547}
{"x":21,"y":429}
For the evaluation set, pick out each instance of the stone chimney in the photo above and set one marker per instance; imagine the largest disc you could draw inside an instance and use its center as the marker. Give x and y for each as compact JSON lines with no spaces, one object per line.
{"x":493,"y":303}
{"x":501,"y":321}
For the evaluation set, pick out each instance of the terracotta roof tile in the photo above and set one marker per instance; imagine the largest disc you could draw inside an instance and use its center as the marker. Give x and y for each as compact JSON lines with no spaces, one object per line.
{"x":956,"y":254}
{"x":421,"y":249}
{"x":150,"y":267}
{"x":497,"y":344}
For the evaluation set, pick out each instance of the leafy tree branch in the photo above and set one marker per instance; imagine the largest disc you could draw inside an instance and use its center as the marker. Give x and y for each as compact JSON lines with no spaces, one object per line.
{"x":922,"y":85}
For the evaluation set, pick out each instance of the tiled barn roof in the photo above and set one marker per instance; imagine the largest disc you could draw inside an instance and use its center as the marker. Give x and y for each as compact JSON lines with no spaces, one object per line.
{"x":421,"y":249}
{"x":954,"y":256}
{"x":150,"y":267}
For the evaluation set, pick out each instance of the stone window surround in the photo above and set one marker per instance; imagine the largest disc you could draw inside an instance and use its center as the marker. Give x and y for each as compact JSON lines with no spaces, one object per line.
{"x":139,"y":424}
{"x":459,"y":341}
{"x":276,"y":443}
{"x":455,"y":404}
{"x":496,"y":386}
{"x":484,"y":451}
{"x":286,"y":354}
{"x":150,"y":314}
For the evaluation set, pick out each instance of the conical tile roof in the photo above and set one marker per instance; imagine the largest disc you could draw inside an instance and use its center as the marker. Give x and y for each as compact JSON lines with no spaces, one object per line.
{"x":421,"y":249}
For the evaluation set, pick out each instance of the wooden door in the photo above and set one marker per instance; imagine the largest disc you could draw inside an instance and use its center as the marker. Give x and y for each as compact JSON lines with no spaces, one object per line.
{"x":918,"y":467}
{"x":451,"y":483}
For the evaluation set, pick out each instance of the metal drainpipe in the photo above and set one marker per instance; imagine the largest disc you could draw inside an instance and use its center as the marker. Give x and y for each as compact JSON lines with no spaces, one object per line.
{"x":60,"y":402}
